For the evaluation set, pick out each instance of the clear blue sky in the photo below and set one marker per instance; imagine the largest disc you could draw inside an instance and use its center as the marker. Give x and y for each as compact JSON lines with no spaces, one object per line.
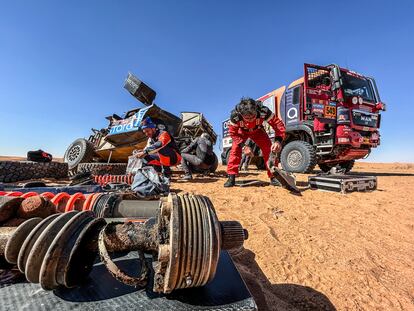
{"x":63,"y":63}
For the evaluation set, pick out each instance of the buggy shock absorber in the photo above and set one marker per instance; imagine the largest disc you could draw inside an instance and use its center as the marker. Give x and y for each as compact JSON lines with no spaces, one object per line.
{"x":184,"y":239}
{"x":108,"y":205}
{"x":105,"y":179}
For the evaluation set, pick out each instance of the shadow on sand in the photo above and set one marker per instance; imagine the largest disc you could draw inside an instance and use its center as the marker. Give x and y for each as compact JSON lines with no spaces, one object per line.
{"x":277,"y":296}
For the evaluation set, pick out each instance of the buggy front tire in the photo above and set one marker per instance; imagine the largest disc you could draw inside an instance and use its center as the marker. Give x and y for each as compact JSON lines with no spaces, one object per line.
{"x":80,"y":151}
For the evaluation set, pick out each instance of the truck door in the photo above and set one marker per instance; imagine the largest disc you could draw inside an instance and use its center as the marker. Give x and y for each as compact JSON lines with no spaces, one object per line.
{"x":318,"y":93}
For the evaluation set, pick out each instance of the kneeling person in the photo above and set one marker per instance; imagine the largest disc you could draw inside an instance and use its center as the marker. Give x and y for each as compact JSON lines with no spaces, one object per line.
{"x":203,"y":157}
{"x":161,"y":150}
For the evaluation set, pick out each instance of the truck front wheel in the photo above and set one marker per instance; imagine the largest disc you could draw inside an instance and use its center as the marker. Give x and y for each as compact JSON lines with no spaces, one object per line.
{"x":298,"y":157}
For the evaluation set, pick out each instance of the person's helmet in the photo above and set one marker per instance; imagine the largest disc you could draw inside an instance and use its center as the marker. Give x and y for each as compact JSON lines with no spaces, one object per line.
{"x":147,"y":123}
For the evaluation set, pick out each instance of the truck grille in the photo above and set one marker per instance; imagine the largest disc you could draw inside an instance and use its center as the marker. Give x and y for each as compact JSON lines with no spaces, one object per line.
{"x":364,"y":118}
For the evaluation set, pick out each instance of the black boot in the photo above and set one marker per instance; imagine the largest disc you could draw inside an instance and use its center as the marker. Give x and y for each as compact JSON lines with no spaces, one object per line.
{"x":231,"y":181}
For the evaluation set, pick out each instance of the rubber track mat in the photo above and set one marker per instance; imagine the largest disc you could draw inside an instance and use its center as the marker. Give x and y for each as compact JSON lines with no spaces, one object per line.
{"x":102,"y":292}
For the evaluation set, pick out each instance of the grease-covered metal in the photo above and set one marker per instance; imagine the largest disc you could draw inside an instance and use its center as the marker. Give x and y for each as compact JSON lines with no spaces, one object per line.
{"x":184,"y":240}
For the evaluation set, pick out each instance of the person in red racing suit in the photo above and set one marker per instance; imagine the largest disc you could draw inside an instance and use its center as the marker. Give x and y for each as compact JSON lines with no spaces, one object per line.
{"x":246,"y":121}
{"x":161,"y":151}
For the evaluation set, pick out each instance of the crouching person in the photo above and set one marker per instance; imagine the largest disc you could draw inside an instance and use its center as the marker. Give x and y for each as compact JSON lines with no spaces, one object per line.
{"x":246,"y":121}
{"x":199,"y":154}
{"x":161,"y":151}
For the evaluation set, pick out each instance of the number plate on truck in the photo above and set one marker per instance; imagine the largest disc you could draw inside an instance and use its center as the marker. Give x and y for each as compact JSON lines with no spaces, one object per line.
{"x":330,"y":112}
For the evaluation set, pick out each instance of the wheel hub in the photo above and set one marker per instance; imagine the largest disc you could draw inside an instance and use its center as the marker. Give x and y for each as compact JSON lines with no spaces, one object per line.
{"x":74,"y":153}
{"x":294,"y":158}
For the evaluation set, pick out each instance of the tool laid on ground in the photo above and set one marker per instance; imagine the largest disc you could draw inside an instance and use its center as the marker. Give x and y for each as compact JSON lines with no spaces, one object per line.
{"x":342,"y":183}
{"x":184,"y":240}
{"x":286,"y":179}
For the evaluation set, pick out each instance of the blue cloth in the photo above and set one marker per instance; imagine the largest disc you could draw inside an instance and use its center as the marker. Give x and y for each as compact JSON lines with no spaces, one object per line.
{"x":55,"y":190}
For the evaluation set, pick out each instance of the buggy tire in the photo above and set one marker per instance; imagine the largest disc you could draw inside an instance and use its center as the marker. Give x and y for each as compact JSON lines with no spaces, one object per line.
{"x":103,"y":168}
{"x":13,"y":171}
{"x":298,"y":157}
{"x":347,"y":165}
{"x":80,"y":151}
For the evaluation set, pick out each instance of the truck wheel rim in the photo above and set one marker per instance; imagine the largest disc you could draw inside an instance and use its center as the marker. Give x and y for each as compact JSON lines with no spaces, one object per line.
{"x":74,"y":153}
{"x":294,"y":158}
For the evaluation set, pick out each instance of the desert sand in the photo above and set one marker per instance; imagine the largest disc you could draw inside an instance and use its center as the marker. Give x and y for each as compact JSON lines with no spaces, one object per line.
{"x":323,"y":250}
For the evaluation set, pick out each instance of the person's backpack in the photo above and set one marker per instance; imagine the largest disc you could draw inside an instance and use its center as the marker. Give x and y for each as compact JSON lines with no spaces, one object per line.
{"x":147,"y":183}
{"x":39,"y":156}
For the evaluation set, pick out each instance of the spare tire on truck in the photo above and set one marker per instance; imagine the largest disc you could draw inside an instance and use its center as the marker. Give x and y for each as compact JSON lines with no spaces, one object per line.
{"x":298,"y":157}
{"x":80,"y":151}
{"x":103,"y":168}
{"x":12,"y":171}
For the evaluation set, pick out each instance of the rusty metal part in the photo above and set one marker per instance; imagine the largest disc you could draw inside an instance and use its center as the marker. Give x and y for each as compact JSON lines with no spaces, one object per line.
{"x":36,"y":206}
{"x":116,"y":272}
{"x":193,"y":243}
{"x":58,"y":250}
{"x":15,"y":241}
{"x":14,"y":222}
{"x":233,"y":234}
{"x":5,"y":233}
{"x":184,"y":240}
{"x":8,"y":207}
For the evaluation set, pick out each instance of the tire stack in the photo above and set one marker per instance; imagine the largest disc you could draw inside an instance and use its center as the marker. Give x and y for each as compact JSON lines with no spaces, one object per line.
{"x":103,"y":168}
{"x":13,"y":171}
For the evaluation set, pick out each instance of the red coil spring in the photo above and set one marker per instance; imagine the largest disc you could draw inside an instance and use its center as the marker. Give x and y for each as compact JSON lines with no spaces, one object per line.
{"x":64,"y":202}
{"x":105,"y":179}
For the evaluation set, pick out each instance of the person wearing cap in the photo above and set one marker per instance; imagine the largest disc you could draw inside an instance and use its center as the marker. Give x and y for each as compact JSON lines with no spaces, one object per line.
{"x":199,"y":153}
{"x":246,"y":121}
{"x":161,"y":150}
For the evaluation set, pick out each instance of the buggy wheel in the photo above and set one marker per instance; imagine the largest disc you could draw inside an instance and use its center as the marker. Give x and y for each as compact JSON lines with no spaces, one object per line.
{"x":80,"y":151}
{"x":298,"y":157}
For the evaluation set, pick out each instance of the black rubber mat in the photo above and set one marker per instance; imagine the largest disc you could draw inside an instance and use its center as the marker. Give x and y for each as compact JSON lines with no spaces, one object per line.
{"x":251,"y":183}
{"x":102,"y":292}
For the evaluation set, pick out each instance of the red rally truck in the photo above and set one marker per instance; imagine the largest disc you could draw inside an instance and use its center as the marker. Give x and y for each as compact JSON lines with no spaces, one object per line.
{"x":332,"y":117}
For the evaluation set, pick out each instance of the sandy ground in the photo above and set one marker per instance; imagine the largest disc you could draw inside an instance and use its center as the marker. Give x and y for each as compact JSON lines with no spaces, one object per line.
{"x":323,"y":251}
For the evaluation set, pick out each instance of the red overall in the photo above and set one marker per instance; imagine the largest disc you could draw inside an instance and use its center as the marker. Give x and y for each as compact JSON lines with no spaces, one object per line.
{"x":241,"y":130}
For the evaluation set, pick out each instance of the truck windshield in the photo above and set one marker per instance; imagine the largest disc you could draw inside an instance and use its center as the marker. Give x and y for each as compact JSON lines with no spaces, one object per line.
{"x":354,"y":86}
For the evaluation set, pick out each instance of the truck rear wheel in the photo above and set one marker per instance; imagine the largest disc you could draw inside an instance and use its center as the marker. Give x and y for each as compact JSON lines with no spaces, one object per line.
{"x":298,"y":157}
{"x":80,"y":151}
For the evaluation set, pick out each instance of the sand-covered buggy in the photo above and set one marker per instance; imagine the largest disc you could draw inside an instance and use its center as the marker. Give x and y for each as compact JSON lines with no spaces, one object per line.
{"x":106,"y":150}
